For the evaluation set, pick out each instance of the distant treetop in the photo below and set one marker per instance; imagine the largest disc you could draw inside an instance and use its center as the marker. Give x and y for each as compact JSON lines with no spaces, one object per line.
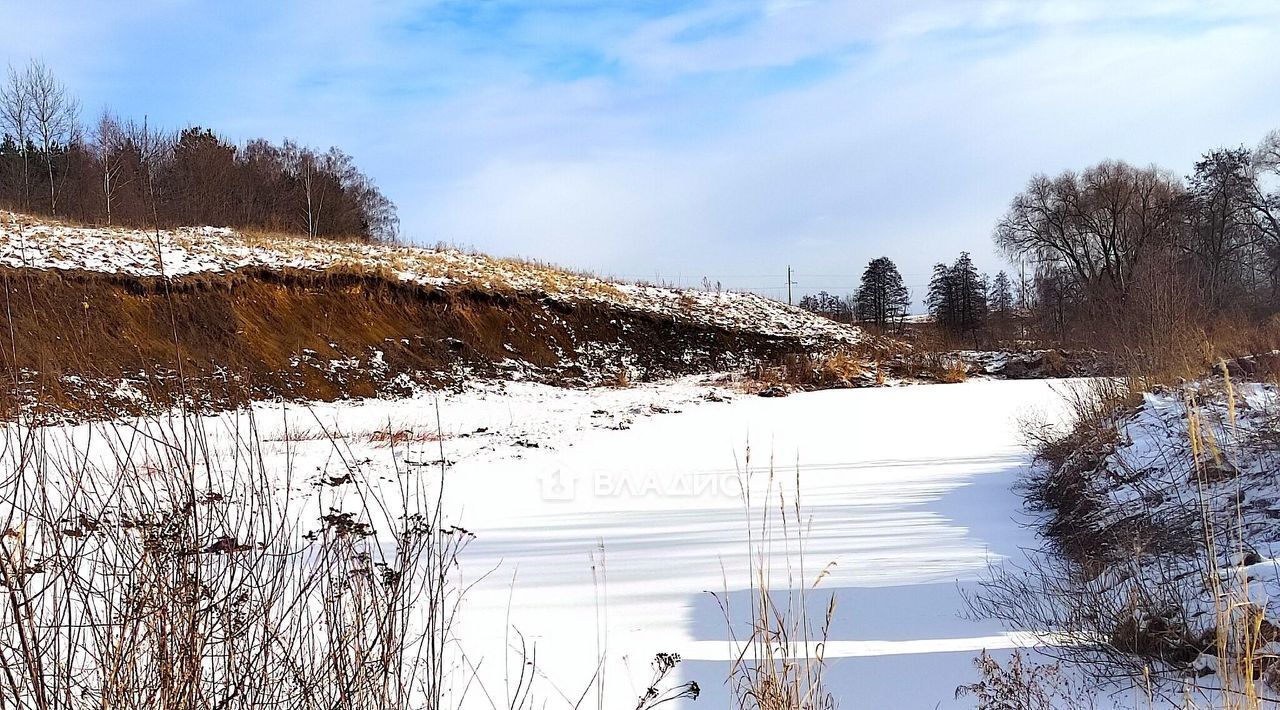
{"x":120,"y":171}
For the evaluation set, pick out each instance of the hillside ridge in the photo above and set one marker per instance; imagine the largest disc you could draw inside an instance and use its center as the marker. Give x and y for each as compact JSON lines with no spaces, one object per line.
{"x":27,"y":242}
{"x":107,"y":320}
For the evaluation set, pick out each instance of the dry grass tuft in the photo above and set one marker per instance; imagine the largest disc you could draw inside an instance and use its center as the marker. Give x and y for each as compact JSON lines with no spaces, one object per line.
{"x":1020,"y":684}
{"x":942,"y":368}
{"x":781,"y":663}
{"x":152,"y":572}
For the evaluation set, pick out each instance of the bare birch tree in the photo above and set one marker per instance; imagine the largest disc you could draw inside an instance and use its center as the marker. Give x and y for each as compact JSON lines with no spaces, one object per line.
{"x":304,"y":165}
{"x":108,"y":146}
{"x":15,"y":118}
{"x":54,"y":114}
{"x":154,"y":147}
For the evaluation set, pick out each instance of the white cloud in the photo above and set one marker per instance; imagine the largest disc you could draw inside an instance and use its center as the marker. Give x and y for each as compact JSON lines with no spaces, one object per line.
{"x":691,"y":154}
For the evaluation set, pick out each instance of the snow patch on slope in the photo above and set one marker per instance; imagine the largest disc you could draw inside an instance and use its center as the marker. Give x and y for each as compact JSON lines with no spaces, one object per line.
{"x":188,"y":251}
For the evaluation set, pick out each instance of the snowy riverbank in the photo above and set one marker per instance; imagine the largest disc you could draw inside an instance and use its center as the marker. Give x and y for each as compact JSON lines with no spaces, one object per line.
{"x":605,"y":518}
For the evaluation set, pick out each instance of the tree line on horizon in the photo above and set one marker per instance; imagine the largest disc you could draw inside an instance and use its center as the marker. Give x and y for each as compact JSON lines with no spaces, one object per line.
{"x":118,"y":171}
{"x":1138,"y":253}
{"x":881,"y":299}
{"x":1114,"y":256}
{"x":960,"y":299}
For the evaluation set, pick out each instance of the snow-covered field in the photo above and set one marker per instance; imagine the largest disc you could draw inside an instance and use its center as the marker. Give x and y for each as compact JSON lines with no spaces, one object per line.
{"x":907,"y":491}
{"x":605,"y":518}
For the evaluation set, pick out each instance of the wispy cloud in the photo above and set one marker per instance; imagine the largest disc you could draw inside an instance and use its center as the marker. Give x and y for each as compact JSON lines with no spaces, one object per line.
{"x":698,"y":137}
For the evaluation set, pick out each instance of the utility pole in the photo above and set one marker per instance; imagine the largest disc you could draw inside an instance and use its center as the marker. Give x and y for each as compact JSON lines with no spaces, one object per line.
{"x":789,"y":283}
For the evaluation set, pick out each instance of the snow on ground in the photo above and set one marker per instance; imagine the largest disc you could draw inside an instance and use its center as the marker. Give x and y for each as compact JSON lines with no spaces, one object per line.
{"x":1198,"y":457}
{"x":605,"y":518}
{"x":908,"y":494}
{"x":37,"y":244}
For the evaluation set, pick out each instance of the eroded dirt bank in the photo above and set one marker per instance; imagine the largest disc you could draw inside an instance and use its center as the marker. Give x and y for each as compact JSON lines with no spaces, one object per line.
{"x":103,"y":344}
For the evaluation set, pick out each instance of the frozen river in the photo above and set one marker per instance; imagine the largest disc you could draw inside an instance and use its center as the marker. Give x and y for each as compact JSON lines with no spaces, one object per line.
{"x":610,"y":524}
{"x":610,"y":543}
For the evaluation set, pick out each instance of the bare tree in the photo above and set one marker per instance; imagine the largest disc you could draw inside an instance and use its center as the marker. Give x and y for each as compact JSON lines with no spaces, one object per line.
{"x":122,"y":172}
{"x":1223,"y":237}
{"x":305,"y":167}
{"x":1266,"y":205}
{"x":154,"y":147}
{"x":108,"y":145}
{"x":54,"y":112}
{"x":15,"y":118}
{"x":1099,"y":225}
{"x":376,"y":212}
{"x":1267,"y":154}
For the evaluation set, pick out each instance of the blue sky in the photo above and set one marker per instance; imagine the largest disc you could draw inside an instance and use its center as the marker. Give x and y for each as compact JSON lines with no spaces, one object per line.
{"x":677,"y":139}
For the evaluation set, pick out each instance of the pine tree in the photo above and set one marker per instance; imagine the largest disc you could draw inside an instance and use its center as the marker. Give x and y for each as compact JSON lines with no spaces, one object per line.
{"x":971,"y":293}
{"x":958,"y":296}
{"x":1000,"y":295}
{"x":941,"y":300}
{"x":881,"y":298}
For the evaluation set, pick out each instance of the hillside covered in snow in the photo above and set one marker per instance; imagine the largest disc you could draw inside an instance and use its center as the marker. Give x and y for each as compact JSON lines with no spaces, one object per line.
{"x":30,"y":243}
{"x":122,"y":316}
